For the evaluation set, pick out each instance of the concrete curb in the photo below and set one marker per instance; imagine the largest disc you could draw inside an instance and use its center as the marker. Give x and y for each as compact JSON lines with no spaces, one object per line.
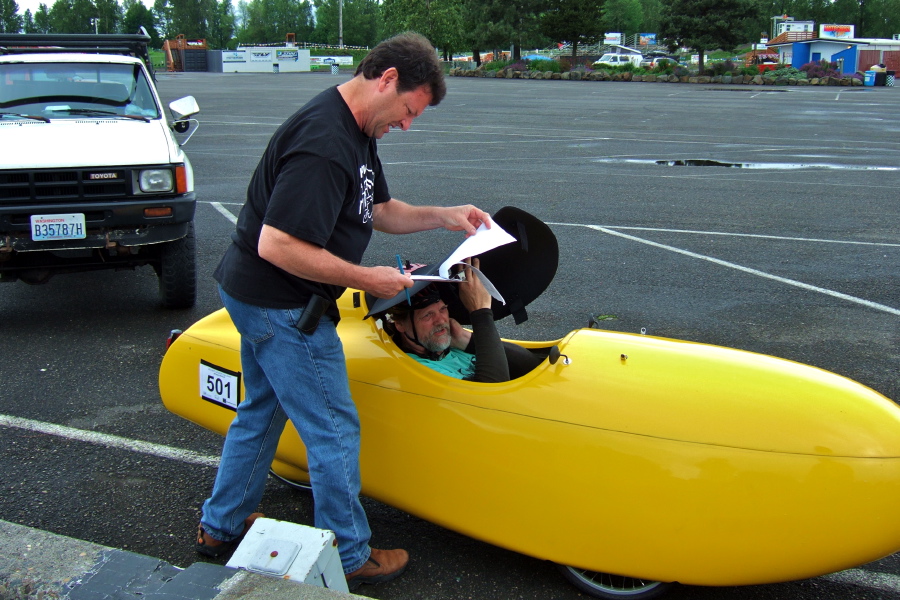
{"x":36,"y":564}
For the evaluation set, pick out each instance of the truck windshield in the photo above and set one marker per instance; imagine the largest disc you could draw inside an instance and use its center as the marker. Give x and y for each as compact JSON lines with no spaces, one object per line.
{"x":68,"y":90}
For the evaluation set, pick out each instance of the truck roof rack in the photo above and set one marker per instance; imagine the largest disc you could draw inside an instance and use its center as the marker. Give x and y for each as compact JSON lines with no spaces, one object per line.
{"x":120,"y":43}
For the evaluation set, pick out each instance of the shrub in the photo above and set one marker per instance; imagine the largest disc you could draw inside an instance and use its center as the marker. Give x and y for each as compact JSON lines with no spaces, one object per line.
{"x":496,"y":65}
{"x":625,"y":68}
{"x":664,"y":66}
{"x":788,"y":73}
{"x":720,"y":68}
{"x":820,"y":69}
{"x":544,"y":65}
{"x":681,"y":71}
{"x":565,"y":63}
{"x":751,"y":70}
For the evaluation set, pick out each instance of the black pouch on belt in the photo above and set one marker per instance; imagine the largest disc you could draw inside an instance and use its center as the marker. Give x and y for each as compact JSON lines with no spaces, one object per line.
{"x":309,"y":318}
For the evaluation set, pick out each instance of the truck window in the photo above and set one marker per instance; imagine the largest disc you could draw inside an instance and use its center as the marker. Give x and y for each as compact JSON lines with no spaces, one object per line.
{"x":59,"y":90}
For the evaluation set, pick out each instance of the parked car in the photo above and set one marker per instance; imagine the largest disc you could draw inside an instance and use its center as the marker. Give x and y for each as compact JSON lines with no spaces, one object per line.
{"x":652,"y":61}
{"x":657,"y":459}
{"x":617,"y":60}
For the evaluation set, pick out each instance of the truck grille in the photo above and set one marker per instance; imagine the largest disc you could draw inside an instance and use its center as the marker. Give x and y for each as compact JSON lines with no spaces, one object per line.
{"x":64,"y":185}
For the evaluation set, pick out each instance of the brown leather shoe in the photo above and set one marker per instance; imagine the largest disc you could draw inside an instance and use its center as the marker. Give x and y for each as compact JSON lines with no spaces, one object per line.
{"x":383,"y":565}
{"x":210,"y":546}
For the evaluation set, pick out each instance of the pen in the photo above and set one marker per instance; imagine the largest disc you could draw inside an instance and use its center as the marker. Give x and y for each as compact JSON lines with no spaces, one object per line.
{"x":402,"y":272}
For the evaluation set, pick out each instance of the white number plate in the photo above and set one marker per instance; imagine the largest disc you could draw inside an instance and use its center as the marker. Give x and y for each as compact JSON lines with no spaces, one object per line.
{"x":219,"y":385}
{"x":57,"y":227}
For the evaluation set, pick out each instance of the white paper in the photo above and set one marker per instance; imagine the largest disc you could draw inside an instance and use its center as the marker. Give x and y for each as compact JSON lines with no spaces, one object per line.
{"x":483,"y":240}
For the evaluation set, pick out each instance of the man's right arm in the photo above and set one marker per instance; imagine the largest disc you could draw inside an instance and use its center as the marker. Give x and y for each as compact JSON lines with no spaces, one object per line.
{"x":306,"y":260}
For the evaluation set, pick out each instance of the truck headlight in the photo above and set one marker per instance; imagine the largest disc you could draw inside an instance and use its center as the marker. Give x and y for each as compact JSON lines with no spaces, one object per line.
{"x":156,"y":180}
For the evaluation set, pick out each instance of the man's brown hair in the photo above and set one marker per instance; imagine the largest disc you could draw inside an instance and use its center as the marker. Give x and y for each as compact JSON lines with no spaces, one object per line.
{"x":415,"y":60}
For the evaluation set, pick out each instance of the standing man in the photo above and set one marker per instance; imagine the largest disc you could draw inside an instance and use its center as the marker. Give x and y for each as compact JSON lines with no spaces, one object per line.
{"x":312,"y":203}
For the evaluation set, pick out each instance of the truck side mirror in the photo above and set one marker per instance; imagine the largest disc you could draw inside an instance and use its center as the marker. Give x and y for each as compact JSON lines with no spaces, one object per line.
{"x":184,"y":107}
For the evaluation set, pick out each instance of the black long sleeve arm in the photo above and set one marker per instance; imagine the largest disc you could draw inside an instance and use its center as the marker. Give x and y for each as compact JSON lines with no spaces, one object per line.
{"x":490,"y":358}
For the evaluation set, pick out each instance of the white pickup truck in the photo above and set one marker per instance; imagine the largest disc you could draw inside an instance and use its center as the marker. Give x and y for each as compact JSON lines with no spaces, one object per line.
{"x":92,"y":174}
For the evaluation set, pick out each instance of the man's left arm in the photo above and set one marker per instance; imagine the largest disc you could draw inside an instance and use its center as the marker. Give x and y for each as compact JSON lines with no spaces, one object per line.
{"x":395,"y":216}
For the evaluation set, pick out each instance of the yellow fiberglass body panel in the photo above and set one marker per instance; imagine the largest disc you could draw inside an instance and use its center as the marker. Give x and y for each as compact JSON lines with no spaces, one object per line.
{"x":634,"y":455}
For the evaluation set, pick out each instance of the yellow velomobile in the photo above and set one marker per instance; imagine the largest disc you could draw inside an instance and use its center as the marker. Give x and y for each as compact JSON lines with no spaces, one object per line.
{"x":653,"y":459}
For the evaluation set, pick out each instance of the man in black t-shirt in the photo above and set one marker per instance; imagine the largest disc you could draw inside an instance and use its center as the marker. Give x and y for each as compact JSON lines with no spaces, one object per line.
{"x":312,"y":203}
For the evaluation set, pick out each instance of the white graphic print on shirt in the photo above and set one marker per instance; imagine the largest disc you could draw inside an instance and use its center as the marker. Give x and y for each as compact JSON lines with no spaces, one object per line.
{"x":366,"y":195}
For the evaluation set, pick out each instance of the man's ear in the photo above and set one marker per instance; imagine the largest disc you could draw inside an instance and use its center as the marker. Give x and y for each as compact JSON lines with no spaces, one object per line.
{"x":401,"y":325}
{"x":390,"y":77}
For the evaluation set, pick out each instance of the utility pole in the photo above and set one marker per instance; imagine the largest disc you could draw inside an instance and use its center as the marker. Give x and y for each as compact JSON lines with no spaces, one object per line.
{"x":340,"y":23}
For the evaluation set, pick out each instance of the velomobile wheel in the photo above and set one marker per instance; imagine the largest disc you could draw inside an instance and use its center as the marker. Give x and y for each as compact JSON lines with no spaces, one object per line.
{"x":297,"y":485}
{"x":615,"y":587}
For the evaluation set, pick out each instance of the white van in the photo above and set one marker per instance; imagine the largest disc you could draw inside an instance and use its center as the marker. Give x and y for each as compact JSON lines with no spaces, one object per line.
{"x":615,"y":60}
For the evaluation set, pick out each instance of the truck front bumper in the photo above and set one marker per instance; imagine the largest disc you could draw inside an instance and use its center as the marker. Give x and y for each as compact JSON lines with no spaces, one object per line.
{"x":110,"y":225}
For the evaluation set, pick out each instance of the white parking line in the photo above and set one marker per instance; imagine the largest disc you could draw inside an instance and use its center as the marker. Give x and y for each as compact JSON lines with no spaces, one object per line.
{"x":858,"y":577}
{"x":731,"y":265}
{"x":747,"y":235}
{"x":613,"y":231}
{"x":225,"y":212}
{"x":110,"y":441}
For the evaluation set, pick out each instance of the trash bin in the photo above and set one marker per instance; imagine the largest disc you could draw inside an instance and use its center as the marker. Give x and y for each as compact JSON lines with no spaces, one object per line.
{"x":335,"y":70}
{"x":869,"y":78}
{"x":881,"y":78}
{"x":275,"y":68}
{"x":889,"y":80}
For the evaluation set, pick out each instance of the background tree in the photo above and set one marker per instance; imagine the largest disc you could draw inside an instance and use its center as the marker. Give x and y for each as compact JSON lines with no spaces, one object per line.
{"x":438,"y":20}
{"x":162,"y":14}
{"x":883,"y":18}
{"x":10,"y":19}
{"x":501,"y":24}
{"x":137,"y":15}
{"x":622,"y":16}
{"x":705,"y":25}
{"x":72,"y":16}
{"x":361,"y":20}
{"x":650,"y":10}
{"x":573,"y":21}
{"x":109,"y":16}
{"x":191,"y":17}
{"x":221,"y":26}
{"x":28,"y":22}
{"x":42,"y":19}
{"x":266,"y":21}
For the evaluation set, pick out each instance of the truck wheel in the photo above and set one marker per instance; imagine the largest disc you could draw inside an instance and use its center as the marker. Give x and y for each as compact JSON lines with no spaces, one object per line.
{"x":178,"y":272}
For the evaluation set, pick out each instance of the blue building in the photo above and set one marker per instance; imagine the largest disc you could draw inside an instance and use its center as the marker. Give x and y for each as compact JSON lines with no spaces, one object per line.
{"x":836,"y":43}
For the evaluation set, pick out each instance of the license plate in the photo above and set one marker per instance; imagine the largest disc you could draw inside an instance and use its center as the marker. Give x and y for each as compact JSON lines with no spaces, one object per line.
{"x":57,"y":227}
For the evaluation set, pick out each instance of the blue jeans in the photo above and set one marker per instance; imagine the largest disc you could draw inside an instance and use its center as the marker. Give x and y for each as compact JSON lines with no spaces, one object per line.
{"x":291,"y":375}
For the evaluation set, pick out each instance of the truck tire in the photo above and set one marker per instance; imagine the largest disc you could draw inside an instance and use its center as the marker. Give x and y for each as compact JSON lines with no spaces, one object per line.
{"x":178,"y":272}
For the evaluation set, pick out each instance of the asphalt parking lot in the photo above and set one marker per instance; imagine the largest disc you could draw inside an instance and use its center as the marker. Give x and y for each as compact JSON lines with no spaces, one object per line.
{"x":752,"y":217}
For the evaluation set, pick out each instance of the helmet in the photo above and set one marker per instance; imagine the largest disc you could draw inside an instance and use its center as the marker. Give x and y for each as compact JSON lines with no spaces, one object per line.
{"x":421,"y":299}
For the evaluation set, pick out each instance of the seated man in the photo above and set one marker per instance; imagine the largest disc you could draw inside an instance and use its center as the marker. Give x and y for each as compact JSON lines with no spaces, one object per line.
{"x":426,"y":332}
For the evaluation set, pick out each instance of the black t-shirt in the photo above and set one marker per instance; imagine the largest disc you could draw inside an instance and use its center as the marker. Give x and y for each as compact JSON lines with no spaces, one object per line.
{"x":318,"y":181}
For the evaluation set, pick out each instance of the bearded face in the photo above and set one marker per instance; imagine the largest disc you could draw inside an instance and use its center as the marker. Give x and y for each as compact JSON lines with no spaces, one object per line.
{"x":437,"y":339}
{"x":432,"y":327}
